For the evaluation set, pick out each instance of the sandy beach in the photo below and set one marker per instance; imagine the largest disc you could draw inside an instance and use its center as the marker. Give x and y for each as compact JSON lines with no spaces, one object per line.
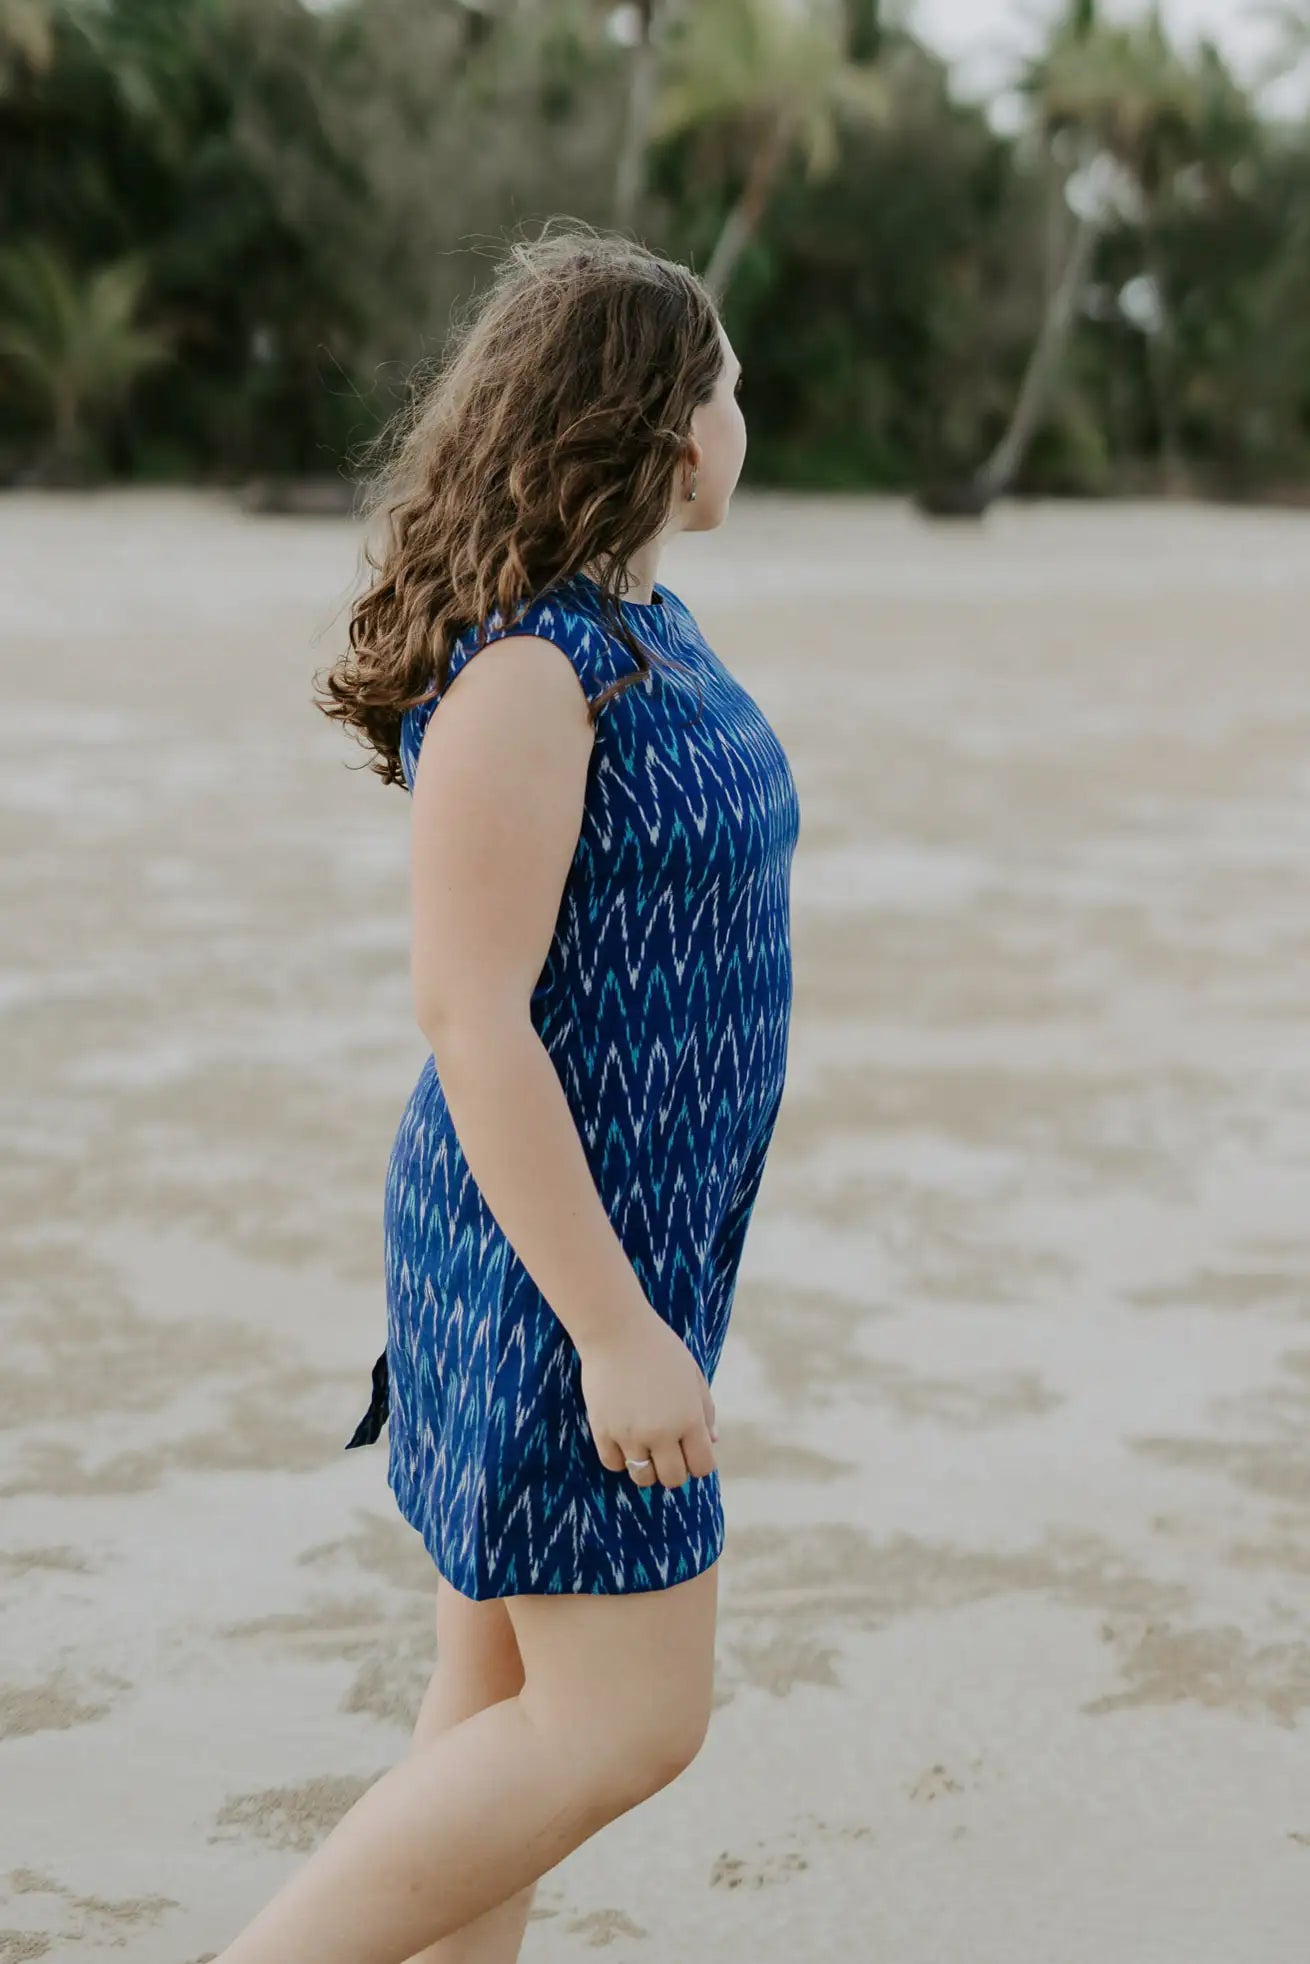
{"x":1014,"y":1658}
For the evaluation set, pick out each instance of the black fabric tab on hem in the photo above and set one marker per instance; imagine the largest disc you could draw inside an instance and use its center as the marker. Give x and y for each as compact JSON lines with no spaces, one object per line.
{"x":376,"y":1416}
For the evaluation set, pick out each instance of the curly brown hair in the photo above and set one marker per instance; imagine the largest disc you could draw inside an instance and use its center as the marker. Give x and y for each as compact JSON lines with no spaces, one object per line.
{"x":547,"y":440}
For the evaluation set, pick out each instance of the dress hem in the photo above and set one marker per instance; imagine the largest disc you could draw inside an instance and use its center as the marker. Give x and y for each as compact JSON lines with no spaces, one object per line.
{"x":423,"y":1525}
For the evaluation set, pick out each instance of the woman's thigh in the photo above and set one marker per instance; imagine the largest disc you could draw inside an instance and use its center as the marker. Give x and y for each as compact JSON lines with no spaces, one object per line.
{"x":478,"y":1661}
{"x":628,"y":1677}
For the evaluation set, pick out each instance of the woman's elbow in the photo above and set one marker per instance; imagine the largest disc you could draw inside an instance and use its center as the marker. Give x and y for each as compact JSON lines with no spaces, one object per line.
{"x":463,"y":1020}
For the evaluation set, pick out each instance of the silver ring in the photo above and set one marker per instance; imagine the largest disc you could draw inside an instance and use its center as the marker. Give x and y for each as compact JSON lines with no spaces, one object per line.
{"x":635,"y":1462}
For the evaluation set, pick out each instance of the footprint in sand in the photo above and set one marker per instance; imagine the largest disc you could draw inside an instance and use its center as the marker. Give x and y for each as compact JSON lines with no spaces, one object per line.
{"x":933,"y":1784}
{"x":842,"y":1830}
{"x":778,"y":1863}
{"x":599,"y":1927}
{"x":737,"y":1872}
{"x":937,"y":1782}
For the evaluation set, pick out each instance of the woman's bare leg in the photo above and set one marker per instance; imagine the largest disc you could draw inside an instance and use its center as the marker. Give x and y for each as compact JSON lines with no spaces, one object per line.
{"x":615,"y":1702}
{"x":478,"y":1664}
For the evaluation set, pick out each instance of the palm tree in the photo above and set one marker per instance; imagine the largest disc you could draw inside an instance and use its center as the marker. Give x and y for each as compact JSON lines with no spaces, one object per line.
{"x":69,"y":344}
{"x":649,"y":19}
{"x":1065,"y":296}
{"x":1117,"y":112}
{"x":776,"y":77}
{"x":27,"y":38}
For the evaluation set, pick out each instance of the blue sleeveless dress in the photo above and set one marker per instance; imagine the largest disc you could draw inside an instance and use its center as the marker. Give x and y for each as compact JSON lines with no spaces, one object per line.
{"x":665,"y":1004}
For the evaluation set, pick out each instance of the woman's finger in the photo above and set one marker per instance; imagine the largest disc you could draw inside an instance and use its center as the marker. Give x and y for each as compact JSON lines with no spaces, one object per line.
{"x":669,"y":1463}
{"x":644,"y":1473}
{"x":611,"y":1452}
{"x":698,"y":1451}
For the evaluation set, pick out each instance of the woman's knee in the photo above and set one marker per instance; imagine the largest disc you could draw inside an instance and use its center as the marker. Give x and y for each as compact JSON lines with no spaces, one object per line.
{"x":662,"y":1750}
{"x":617,"y":1755}
{"x":622,"y":1686}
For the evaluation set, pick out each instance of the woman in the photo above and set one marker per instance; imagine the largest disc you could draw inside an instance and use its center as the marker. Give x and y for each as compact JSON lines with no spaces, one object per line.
{"x":603,"y":829}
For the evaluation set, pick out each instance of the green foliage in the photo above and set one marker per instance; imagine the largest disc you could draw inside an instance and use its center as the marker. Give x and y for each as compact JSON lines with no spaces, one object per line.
{"x":70,"y":347}
{"x":879,"y":337}
{"x":864,"y":29}
{"x":232,"y":226}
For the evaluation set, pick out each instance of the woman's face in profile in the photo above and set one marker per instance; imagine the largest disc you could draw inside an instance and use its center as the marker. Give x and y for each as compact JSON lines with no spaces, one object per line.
{"x":720,"y":431}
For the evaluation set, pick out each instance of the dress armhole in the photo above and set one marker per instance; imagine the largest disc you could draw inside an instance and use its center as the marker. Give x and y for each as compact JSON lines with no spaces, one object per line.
{"x":581,"y":640}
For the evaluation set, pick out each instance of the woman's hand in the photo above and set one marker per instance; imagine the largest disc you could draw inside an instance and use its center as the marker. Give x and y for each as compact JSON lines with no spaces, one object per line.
{"x":647,"y":1398}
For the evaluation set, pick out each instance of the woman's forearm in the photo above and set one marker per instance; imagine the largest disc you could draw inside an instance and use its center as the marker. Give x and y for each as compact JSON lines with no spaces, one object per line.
{"x":522,"y":1146}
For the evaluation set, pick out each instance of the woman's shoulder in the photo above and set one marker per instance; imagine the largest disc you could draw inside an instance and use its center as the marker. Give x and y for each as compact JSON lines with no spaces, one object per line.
{"x":568,"y":614}
{"x":564,"y":614}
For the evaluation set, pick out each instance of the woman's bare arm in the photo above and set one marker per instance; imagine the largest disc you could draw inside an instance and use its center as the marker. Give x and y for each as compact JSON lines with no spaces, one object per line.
{"x":497,"y":810}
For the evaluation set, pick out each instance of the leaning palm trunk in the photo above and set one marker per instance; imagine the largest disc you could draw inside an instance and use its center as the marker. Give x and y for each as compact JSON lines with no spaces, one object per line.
{"x":743,"y":220}
{"x":1161,"y":355}
{"x":630,"y":176}
{"x":1044,"y":363}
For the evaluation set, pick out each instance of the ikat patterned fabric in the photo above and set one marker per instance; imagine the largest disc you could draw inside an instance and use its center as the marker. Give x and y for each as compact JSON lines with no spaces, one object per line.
{"x":665,"y":1005}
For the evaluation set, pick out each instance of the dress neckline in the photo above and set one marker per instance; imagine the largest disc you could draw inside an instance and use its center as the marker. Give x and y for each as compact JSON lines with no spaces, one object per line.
{"x":655,"y":606}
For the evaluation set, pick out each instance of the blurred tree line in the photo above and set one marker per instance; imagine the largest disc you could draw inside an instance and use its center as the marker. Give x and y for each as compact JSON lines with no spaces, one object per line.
{"x":229,"y":228}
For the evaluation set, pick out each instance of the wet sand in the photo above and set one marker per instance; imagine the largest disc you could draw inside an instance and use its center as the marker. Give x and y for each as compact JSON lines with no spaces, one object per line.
{"x":1014,"y":1660}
